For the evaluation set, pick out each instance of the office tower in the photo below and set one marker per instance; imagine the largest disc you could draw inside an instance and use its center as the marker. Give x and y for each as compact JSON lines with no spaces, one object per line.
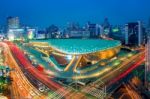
{"x":30,"y":33}
{"x":41,"y":34}
{"x":118,"y":33}
{"x":148,"y":28}
{"x":81,"y":33}
{"x":75,"y":31}
{"x":13,"y":22}
{"x":2,"y":34}
{"x":14,"y":31}
{"x":52,"y":31}
{"x":1,"y":30}
{"x":106,"y":27}
{"x":149,"y":23}
{"x":73,"y":26}
{"x":147,"y":64}
{"x":15,"y":34}
{"x":93,"y":29}
{"x":134,"y":34}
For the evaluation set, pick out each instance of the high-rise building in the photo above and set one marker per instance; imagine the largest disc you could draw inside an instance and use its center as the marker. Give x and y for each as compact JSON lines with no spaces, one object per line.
{"x":148,"y":28}
{"x":13,"y":23}
{"x":79,"y":34}
{"x":2,"y":34}
{"x":106,"y":27}
{"x":106,"y":23}
{"x":52,"y":31}
{"x":94,"y":29}
{"x":14,"y":30}
{"x":75,"y":31}
{"x":134,"y":34}
{"x":30,"y":33}
{"x":1,"y":30}
{"x":118,"y":33}
{"x":15,"y":34}
{"x":73,"y":26}
{"x":147,"y":64}
{"x":41,"y":34}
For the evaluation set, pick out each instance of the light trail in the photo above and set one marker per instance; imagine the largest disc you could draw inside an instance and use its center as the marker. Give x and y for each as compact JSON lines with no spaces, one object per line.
{"x":21,"y":87}
{"x":128,"y":71}
{"x":35,"y":73}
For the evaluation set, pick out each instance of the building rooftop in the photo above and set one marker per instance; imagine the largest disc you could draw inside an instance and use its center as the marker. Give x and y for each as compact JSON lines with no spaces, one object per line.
{"x":80,"y":46}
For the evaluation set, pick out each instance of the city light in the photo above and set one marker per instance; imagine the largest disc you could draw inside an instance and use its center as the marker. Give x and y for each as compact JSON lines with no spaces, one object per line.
{"x":30,"y":35}
{"x":115,"y":30}
{"x":74,"y":49}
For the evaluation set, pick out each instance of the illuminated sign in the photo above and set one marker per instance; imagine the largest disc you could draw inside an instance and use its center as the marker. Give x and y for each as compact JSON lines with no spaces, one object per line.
{"x":115,"y":30}
{"x":31,"y":33}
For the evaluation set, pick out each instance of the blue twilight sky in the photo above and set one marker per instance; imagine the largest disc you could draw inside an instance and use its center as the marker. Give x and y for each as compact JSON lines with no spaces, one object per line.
{"x":42,"y":13}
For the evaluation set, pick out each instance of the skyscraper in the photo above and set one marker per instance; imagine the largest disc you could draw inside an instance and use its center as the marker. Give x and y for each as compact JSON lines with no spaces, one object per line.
{"x":14,"y":31}
{"x":134,"y":34}
{"x":75,"y":31}
{"x":118,"y":33}
{"x":13,"y":22}
{"x":93,"y":29}
{"x":106,"y":23}
{"x":52,"y":31}
{"x":148,"y":28}
{"x":106,"y":27}
{"x":147,"y":64}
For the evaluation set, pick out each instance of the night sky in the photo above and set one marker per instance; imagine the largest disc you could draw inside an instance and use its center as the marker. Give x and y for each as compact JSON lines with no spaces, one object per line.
{"x":43,"y":13}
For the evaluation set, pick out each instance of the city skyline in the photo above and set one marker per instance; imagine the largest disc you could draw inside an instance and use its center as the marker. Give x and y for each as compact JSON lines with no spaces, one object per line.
{"x":74,"y":49}
{"x":42,"y":14}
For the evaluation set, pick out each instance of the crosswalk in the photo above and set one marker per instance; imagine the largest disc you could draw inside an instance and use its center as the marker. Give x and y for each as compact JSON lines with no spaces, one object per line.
{"x":96,"y":89}
{"x":100,"y":94}
{"x":59,"y":94}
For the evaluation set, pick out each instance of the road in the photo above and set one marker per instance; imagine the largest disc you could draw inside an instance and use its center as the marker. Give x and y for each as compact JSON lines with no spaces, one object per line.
{"x":124,"y":69}
{"x":114,"y":75}
{"x":107,"y":75}
{"x":21,"y":87}
{"x":26,"y":65}
{"x":133,"y":94}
